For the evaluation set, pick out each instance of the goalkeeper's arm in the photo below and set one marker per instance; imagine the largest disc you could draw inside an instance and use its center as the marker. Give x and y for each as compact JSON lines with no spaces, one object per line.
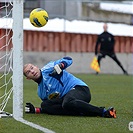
{"x":29,"y":108}
{"x":61,"y":65}
{"x":58,"y":69}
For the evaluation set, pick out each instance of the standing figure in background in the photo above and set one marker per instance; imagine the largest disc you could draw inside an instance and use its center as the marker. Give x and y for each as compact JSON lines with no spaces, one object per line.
{"x":107,"y":42}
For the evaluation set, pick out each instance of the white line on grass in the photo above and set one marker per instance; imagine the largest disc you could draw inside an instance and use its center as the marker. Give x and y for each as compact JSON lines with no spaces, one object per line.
{"x":45,"y":130}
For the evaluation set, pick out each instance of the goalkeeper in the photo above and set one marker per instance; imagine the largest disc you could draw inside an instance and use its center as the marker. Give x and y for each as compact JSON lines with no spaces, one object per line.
{"x":61,"y":92}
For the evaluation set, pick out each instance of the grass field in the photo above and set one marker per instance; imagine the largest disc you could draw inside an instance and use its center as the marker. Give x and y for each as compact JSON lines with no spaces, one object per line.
{"x":106,"y":90}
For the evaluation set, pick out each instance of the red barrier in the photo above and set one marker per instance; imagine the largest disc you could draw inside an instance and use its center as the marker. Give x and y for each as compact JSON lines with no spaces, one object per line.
{"x":66,"y":42}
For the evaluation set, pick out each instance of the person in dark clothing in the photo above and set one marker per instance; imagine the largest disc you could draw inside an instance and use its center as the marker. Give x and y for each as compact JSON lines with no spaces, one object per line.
{"x":61,"y":92}
{"x":107,"y":42}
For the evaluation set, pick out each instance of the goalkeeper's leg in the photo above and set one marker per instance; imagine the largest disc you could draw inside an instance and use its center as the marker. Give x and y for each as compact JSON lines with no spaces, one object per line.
{"x":77,"y":100}
{"x":54,"y":107}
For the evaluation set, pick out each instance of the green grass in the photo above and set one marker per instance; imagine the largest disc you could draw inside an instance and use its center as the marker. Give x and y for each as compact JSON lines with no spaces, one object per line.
{"x":106,"y":90}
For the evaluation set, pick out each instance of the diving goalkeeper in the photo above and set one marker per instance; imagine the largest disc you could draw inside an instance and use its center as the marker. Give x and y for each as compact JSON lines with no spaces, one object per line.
{"x":61,"y":92}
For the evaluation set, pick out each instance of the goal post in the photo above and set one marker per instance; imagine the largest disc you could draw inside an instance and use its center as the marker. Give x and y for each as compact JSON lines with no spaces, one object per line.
{"x":11,"y":58}
{"x":17,"y":41}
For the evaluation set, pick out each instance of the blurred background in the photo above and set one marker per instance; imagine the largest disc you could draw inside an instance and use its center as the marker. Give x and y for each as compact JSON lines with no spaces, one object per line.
{"x":118,"y":11}
{"x":72,"y":30}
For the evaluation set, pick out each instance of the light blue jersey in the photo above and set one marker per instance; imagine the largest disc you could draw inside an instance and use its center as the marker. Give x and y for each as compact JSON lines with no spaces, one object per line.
{"x":60,"y":84}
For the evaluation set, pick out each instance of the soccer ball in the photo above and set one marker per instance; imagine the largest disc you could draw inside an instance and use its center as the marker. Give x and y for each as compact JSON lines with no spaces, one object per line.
{"x":38,"y":17}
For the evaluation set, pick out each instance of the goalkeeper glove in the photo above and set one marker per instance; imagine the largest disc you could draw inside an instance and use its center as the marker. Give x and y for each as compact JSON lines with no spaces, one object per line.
{"x":57,"y":69}
{"x":29,"y":108}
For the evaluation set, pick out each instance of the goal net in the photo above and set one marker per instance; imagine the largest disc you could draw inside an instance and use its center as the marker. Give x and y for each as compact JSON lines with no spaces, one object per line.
{"x":11,"y":59}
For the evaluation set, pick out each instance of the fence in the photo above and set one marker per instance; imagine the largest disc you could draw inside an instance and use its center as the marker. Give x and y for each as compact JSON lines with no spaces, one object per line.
{"x":66,"y":42}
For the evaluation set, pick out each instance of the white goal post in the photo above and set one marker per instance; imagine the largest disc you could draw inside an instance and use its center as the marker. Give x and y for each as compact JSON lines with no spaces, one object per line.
{"x":17,"y":58}
{"x":11,"y":57}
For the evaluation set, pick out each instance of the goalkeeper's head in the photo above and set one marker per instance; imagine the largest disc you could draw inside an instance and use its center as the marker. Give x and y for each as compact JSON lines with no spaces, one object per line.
{"x":31,"y":72}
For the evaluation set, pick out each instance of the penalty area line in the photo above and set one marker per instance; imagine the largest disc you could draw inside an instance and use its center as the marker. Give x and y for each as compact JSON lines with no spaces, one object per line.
{"x":45,"y":130}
